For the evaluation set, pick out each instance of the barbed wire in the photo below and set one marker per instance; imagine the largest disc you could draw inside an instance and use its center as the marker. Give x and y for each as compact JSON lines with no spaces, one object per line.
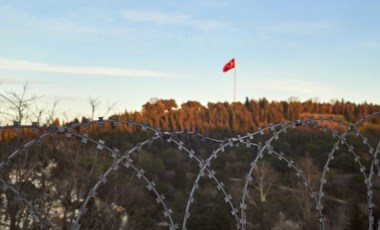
{"x":273,"y":132}
{"x":32,"y":210}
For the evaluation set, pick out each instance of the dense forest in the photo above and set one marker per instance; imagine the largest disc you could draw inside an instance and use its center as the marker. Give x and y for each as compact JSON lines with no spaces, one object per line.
{"x":242,"y":117}
{"x":57,"y":173}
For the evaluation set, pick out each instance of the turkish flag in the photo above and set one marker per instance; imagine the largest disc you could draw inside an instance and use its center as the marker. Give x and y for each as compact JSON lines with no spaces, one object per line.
{"x":229,"y":65}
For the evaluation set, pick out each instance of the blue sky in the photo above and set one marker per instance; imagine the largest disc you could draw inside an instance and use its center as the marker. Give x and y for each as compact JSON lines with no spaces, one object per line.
{"x":130,"y":51}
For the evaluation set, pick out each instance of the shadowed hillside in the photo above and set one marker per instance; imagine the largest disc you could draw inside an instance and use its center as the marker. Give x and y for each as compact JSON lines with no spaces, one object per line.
{"x":124,"y":173}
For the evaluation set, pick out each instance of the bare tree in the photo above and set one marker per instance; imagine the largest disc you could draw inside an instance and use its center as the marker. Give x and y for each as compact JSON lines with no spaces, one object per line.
{"x":37,"y":113}
{"x":264,"y":179}
{"x":52,"y":112}
{"x":109,"y":107}
{"x":94,"y":103}
{"x":302,"y":193}
{"x":18,"y":105}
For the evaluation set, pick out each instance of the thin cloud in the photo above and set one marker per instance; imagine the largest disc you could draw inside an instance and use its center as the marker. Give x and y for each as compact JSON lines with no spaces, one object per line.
{"x":294,"y":86}
{"x":103,"y":71}
{"x":175,"y":18}
{"x":7,"y":81}
{"x":305,"y":28}
{"x":156,"y":17}
{"x":68,"y":26}
{"x":364,"y":44}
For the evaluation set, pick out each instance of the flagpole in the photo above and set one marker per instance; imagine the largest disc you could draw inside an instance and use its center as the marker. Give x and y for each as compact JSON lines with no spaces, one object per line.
{"x":235,"y":82}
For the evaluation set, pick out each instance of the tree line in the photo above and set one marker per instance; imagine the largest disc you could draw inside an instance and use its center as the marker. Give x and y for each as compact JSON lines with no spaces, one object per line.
{"x":238,"y":116}
{"x":21,"y":107}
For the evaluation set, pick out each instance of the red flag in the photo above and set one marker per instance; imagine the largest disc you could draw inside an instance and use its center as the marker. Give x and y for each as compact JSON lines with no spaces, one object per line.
{"x":229,"y":65}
